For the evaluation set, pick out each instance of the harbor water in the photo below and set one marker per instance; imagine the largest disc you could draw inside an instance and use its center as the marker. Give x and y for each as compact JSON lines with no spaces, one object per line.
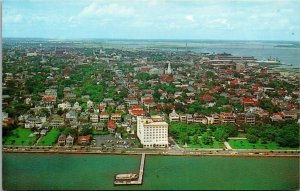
{"x":89,"y":172}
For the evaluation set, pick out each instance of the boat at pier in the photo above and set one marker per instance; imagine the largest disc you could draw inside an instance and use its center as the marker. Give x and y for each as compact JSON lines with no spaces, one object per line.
{"x":126,"y":177}
{"x":131,"y":178}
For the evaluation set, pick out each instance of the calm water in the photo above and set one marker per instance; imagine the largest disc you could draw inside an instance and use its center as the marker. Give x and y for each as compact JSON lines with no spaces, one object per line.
{"x":61,"y":171}
{"x":261,"y":50}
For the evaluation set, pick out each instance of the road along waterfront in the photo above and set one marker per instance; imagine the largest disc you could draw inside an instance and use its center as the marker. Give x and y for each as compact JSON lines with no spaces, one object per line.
{"x":154,"y":151}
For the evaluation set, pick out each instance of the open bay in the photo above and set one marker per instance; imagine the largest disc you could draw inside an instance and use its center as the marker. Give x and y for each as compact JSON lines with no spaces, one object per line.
{"x":96,"y":172}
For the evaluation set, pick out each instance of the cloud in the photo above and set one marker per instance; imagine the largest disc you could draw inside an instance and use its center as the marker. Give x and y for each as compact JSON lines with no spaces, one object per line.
{"x":89,"y":10}
{"x":13,"y":18}
{"x":219,"y":23}
{"x":100,"y":9}
{"x":189,"y":18}
{"x":156,"y":17}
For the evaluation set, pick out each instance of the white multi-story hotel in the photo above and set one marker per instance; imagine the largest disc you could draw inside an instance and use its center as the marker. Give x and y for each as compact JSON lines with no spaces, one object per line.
{"x":152,"y":133}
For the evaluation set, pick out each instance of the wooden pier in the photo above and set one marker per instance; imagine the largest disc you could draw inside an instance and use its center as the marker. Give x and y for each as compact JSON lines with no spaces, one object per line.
{"x":139,"y":181}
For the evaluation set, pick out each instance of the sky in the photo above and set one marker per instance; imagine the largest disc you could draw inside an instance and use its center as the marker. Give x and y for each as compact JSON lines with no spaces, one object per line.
{"x":153,"y":19}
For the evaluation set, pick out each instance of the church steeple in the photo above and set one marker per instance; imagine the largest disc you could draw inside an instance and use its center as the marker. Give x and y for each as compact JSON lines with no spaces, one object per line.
{"x":169,"y":70}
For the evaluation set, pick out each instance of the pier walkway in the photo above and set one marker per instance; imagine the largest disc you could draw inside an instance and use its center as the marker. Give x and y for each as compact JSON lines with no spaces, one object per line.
{"x":139,"y":181}
{"x":228,"y":147}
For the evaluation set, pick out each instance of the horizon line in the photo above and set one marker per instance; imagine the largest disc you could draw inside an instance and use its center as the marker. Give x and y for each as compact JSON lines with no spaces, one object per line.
{"x":154,"y":39}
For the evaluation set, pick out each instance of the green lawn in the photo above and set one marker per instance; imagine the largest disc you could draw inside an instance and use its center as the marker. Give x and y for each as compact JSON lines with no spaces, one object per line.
{"x":20,"y":136}
{"x":215,"y":145}
{"x":96,"y":132}
{"x":50,"y":138}
{"x":244,"y":144}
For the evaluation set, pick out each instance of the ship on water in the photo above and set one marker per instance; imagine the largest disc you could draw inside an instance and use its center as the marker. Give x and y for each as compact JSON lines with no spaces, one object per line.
{"x":269,"y":61}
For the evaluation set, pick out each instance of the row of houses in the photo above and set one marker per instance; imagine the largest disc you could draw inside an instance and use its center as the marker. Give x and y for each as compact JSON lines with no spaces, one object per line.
{"x":64,"y":140}
{"x":222,"y":118}
{"x":248,"y":117}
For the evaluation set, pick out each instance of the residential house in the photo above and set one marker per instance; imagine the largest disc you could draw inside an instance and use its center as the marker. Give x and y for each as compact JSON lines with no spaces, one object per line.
{"x":289,"y":115}
{"x":189,"y":118}
{"x":56,"y":121}
{"x":249,"y":101}
{"x":71,"y":115}
{"x":199,"y":118}
{"x":136,"y":111}
{"x":120,"y":108}
{"x":157,"y":118}
{"x":69,"y":96}
{"x":215,"y":118}
{"x":33,"y":122}
{"x":84,"y":117}
{"x":76,"y":106}
{"x":90,"y":104}
{"x":182,"y":118}
{"x":116,"y":117}
{"x":173,"y":116}
{"x":149,"y":103}
{"x":84,"y":140}
{"x":50,"y":93}
{"x":277,"y":117}
{"x":64,"y":105}
{"x":104,"y":116}
{"x":227,"y":117}
{"x":240,"y":118}
{"x":263,"y":114}
{"x":235,"y":100}
{"x":4,"y":115}
{"x":250,"y":118}
{"x":99,"y":126}
{"x":62,"y":140}
{"x":43,"y":132}
{"x":94,"y":117}
{"x":111,"y":126}
{"x":207,"y":98}
{"x":69,"y":140}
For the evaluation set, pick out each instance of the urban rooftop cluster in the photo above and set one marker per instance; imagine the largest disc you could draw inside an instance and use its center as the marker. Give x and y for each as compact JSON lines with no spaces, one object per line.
{"x":65,"y":93}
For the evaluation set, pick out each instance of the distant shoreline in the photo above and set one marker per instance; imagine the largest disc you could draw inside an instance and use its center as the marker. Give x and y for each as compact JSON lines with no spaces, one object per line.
{"x":152,"y":39}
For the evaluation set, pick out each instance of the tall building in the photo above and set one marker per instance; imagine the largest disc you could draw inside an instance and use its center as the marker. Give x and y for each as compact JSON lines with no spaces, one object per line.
{"x":169,"y":69}
{"x":152,"y":132}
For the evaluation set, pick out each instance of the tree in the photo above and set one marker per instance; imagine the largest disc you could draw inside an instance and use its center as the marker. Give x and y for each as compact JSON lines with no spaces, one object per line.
{"x":209,"y":74}
{"x":179,"y":107}
{"x":86,"y":130}
{"x":288,"y":136}
{"x":224,"y":131}
{"x":184,"y":138}
{"x":207,"y":139}
{"x":45,"y":112}
{"x":195,"y":139}
{"x":156,"y":95}
{"x":220,"y":134}
{"x":252,"y":138}
{"x":67,"y":131}
{"x":62,"y":128}
{"x":268,"y":105}
{"x":60,"y":112}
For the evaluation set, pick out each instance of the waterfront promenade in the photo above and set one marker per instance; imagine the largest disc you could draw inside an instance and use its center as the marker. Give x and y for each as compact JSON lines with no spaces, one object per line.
{"x":153,"y":151}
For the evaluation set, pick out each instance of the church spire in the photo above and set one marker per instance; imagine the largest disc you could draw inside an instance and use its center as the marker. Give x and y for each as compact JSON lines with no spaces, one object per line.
{"x":169,"y":70}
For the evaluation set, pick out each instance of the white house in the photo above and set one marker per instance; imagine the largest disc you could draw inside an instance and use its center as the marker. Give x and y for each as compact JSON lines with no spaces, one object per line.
{"x":173,"y":116}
